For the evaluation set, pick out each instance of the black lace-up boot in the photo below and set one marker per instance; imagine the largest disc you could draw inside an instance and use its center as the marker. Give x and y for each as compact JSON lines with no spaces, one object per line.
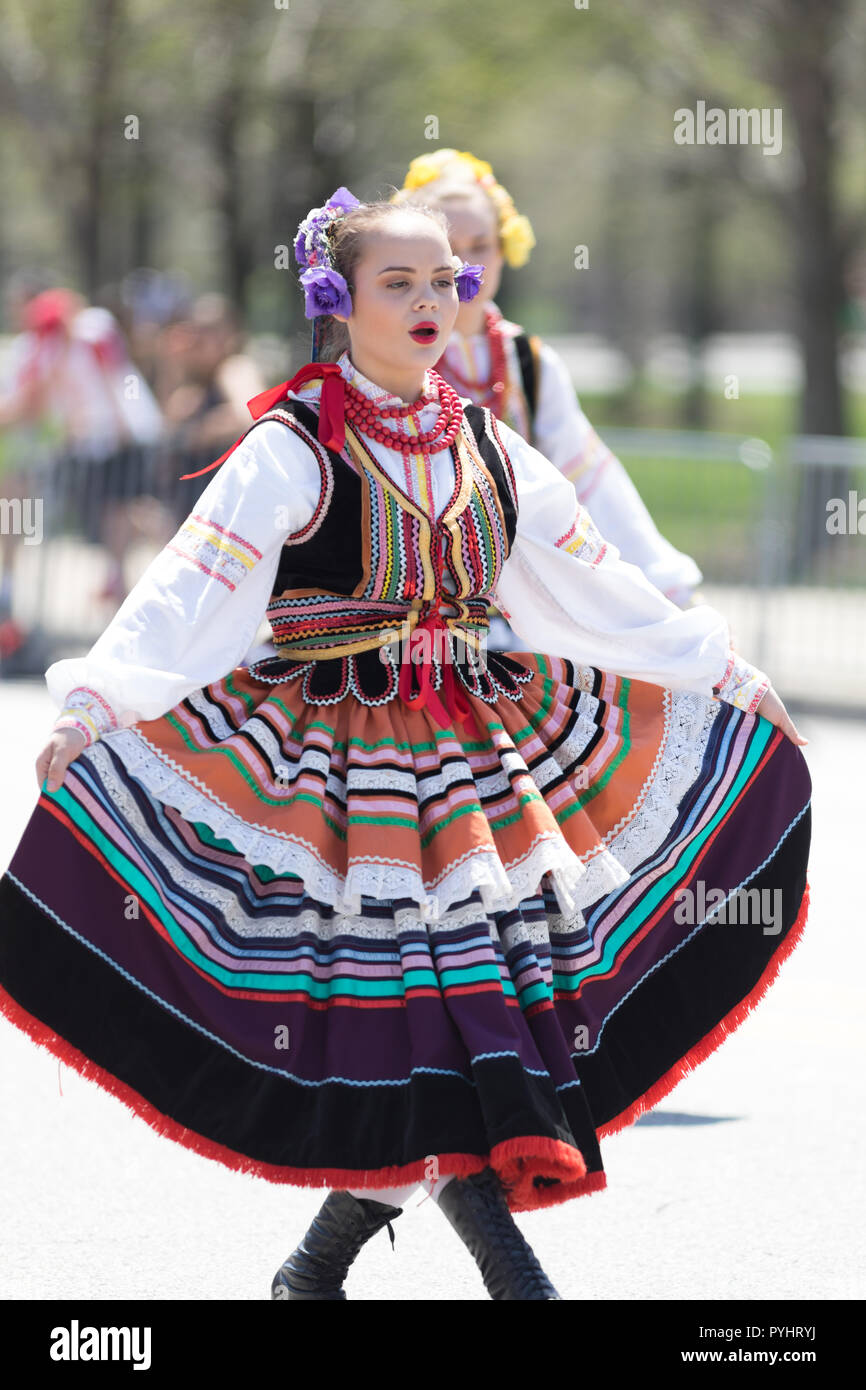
{"x":478,"y":1211}
{"x":321,"y":1262}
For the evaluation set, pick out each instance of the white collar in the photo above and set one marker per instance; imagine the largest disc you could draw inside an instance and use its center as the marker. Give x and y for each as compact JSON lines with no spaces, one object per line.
{"x":375,"y":392}
{"x":312,"y":389}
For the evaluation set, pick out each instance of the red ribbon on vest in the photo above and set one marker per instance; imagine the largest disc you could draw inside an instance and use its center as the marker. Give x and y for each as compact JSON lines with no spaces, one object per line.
{"x":332,"y":424}
{"x":456,"y":706}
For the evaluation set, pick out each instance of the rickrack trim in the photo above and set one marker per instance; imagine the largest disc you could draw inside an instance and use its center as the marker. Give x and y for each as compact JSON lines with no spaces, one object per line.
{"x":325,"y":469}
{"x":483,"y":682}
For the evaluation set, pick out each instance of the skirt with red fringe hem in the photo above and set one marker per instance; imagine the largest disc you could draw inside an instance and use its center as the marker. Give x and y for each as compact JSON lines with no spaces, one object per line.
{"x":714,"y":1039}
{"x":520,"y":1163}
{"x":147,"y":940}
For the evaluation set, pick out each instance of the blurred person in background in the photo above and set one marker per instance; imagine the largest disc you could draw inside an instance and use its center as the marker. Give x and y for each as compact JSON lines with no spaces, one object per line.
{"x":210,"y":405}
{"x":20,"y":288}
{"x":71,"y":372}
{"x":155,"y":301}
{"x":70,"y":367}
{"x":212,"y":379}
{"x":496,"y":363}
{"x":19,"y":446}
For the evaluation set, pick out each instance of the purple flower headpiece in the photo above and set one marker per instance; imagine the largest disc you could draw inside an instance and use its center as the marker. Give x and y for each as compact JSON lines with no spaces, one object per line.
{"x":325,"y":290}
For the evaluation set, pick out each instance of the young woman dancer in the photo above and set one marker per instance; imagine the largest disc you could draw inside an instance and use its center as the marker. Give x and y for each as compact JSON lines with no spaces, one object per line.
{"x":524,"y":382}
{"x":384,"y":909}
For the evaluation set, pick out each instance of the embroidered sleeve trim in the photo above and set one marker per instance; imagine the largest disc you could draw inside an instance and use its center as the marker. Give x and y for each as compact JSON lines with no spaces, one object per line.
{"x":216,"y":551}
{"x":70,"y":721}
{"x":583,"y":539}
{"x":742,"y":685}
{"x":87,"y":710}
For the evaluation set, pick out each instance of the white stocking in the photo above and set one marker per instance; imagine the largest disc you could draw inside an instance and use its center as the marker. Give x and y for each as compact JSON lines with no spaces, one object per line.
{"x":398,"y":1196}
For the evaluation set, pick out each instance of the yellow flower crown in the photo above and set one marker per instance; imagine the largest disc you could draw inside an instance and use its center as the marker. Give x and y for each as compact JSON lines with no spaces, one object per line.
{"x":515,"y":231}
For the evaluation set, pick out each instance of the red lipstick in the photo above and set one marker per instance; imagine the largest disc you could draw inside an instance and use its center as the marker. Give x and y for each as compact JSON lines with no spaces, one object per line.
{"x":424,"y":332}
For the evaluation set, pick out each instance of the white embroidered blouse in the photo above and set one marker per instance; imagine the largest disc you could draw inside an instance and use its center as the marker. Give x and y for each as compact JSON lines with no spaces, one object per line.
{"x":565,"y":590}
{"x":563,"y":434}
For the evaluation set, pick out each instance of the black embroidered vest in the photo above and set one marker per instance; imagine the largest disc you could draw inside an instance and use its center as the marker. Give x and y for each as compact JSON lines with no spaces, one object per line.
{"x":370,"y":565}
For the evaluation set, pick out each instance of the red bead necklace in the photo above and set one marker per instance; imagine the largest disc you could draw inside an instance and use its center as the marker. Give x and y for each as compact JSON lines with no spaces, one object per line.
{"x":368,"y":417}
{"x":490,"y":393}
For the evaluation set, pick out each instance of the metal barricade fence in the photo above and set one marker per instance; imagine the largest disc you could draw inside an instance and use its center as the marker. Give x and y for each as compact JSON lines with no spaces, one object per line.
{"x":819,"y":598}
{"x":758,"y":526}
{"x":793,"y":591}
{"x":64,"y":516}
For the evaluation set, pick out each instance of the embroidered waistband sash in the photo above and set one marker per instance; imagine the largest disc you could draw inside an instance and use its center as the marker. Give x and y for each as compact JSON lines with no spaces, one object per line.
{"x":317,"y":627}
{"x":418,"y":637}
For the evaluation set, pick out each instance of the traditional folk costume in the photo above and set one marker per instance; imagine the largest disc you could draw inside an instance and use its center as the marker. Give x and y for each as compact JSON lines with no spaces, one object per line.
{"x":434,"y":911}
{"x":344,"y":917}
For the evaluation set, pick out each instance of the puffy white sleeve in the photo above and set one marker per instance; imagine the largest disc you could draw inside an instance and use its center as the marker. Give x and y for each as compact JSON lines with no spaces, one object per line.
{"x":565,"y":589}
{"x":194,"y":612}
{"x":565,"y":436}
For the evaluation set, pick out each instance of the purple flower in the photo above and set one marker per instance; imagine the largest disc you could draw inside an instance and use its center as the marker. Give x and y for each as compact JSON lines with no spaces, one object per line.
{"x":468,"y":281}
{"x":310,"y":243}
{"x":343,"y":199}
{"x":301,"y":244}
{"x":317,"y":221}
{"x":325,"y":292}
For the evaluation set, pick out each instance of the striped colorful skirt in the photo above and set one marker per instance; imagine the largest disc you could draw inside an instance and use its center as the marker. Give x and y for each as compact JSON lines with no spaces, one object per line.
{"x":341,"y":946}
